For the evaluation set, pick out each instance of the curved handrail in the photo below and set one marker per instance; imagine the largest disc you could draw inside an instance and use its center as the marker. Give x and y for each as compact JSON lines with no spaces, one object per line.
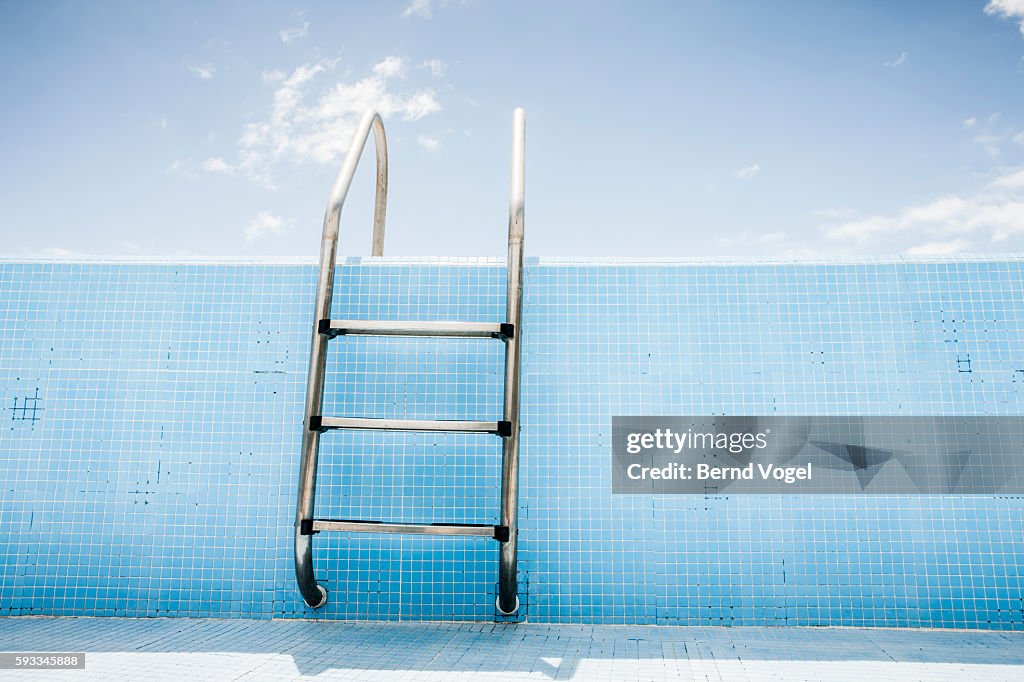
{"x":342,"y":183}
{"x":314,"y":594}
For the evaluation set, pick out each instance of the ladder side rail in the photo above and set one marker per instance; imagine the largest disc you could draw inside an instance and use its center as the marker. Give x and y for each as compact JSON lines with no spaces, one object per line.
{"x":313,"y":594}
{"x":508,"y":597}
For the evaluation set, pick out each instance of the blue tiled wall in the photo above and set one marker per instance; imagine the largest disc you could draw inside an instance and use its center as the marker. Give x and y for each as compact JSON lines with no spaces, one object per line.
{"x":151,"y":421}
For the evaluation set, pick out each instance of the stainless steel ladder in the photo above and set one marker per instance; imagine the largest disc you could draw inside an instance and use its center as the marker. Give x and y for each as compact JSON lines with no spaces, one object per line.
{"x":509,"y":331}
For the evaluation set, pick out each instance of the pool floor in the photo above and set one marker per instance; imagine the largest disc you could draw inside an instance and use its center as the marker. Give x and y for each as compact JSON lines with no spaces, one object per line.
{"x":204,"y":649}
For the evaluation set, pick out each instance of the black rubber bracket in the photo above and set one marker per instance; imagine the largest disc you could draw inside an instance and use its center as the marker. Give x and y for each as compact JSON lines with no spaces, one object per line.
{"x":316,"y":423}
{"x":501,"y":533}
{"x":324,"y":327}
{"x":508,"y":330}
{"x":306,"y":527}
{"x":504,"y":429}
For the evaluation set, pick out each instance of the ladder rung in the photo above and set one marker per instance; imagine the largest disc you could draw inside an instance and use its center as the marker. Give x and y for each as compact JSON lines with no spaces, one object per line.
{"x":320,"y":423}
{"x":333,"y":328}
{"x":471,"y":529}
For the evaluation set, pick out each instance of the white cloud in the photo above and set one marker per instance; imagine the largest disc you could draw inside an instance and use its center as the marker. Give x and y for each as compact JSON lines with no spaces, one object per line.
{"x":748,"y":172}
{"x":294,"y":33}
{"x":307,"y":125}
{"x":203,"y":72}
{"x":940,"y":248}
{"x":436,"y":66}
{"x":1011,"y":9}
{"x":163,"y":122}
{"x":419,"y":8}
{"x":419,"y":105}
{"x":391,"y":67}
{"x":995,"y":212}
{"x":1010,"y":181}
{"x":267,"y":224}
{"x":863,"y":228}
{"x":218,"y":165}
{"x":429,"y":142}
{"x":969,"y":122}
{"x":899,"y":61}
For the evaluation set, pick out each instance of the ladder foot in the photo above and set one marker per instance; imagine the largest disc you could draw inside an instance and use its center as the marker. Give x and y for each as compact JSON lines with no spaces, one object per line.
{"x":323,"y":598}
{"x":510,"y":612}
{"x":313,"y":594}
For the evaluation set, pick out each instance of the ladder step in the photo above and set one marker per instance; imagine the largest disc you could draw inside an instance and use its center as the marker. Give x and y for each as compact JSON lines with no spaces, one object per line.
{"x":483,"y":530}
{"x":320,"y":423}
{"x":333,"y":328}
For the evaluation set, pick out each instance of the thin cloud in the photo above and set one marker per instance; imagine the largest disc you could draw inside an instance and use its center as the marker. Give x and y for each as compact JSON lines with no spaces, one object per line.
{"x":273,"y":76}
{"x":419,"y":105}
{"x":294,"y":33}
{"x":58,"y":252}
{"x":748,"y":172}
{"x":940,"y":248}
{"x":266,"y":224}
{"x":203,"y":72}
{"x":419,"y":8}
{"x":899,"y":61}
{"x":990,"y":143}
{"x":391,"y":67}
{"x":424,"y":9}
{"x":1010,"y":181}
{"x":991,"y":134}
{"x":969,"y":122}
{"x":993,"y":213}
{"x":436,"y":66}
{"x":182,"y":167}
{"x":306,"y":124}
{"x":772,"y":237}
{"x":746,"y":238}
{"x":841,"y":213}
{"x":429,"y":142}
{"x":218,"y":165}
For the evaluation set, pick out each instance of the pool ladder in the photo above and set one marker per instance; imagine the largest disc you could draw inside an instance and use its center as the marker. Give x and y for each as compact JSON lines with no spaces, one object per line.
{"x":324,"y":329}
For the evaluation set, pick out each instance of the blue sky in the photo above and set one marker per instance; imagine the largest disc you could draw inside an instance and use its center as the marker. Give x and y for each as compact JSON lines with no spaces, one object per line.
{"x":748,"y":129}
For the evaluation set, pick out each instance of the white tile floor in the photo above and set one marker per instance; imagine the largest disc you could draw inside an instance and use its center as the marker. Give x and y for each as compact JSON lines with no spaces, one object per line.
{"x":185,"y":649}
